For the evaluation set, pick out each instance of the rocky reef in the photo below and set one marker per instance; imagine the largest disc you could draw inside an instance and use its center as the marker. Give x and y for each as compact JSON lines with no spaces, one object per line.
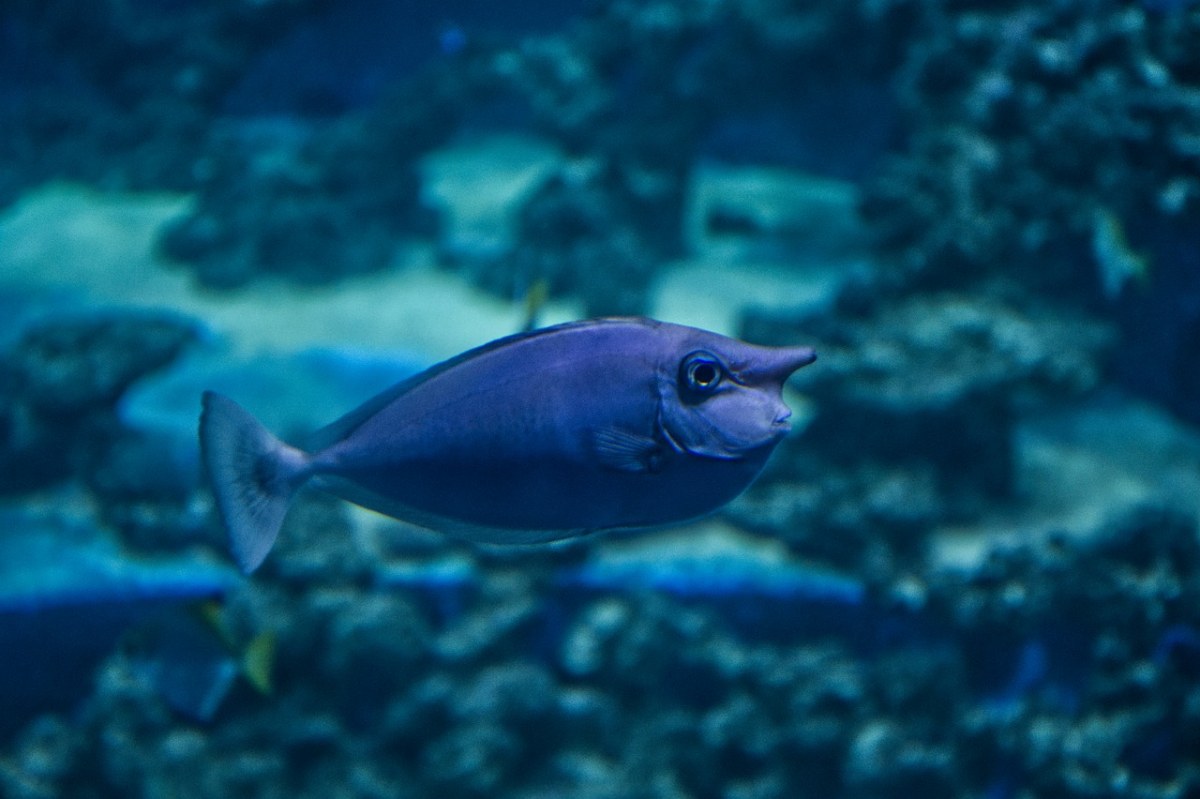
{"x":998,"y":139}
{"x":1021,"y":677}
{"x":63,"y":380}
{"x":914,"y":424}
{"x":124,"y":95}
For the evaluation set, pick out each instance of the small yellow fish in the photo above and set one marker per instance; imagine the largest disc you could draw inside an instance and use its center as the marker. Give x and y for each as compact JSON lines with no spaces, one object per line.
{"x":257,"y":660}
{"x":1117,"y":262}
{"x":535,"y":300}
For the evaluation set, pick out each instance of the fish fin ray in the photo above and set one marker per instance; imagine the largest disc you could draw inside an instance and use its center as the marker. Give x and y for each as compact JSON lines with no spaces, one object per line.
{"x":627,"y":451}
{"x":254,"y":477}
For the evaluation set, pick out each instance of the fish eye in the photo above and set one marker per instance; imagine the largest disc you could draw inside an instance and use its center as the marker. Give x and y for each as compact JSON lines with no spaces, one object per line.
{"x":701,"y":372}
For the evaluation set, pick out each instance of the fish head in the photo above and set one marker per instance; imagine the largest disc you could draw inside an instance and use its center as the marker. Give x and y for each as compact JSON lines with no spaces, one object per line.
{"x":723,"y":398}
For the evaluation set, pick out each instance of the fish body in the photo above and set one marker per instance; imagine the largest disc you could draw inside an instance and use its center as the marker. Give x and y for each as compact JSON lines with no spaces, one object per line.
{"x":609,"y":423}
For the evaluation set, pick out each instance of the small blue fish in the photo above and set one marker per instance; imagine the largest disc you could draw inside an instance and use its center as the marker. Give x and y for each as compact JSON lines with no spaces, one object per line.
{"x":587,"y":426}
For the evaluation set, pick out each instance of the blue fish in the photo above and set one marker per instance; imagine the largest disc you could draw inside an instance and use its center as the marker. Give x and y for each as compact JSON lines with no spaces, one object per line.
{"x":581,"y":427}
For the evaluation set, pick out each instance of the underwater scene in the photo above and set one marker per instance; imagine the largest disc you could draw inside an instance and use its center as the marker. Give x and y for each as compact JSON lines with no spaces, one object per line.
{"x":875,"y":472}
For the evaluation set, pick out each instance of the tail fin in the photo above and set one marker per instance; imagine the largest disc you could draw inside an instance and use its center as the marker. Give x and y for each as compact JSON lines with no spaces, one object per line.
{"x":253,"y":475}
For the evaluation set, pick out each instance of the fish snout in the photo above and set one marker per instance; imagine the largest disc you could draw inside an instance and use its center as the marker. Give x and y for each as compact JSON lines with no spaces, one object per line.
{"x":777,"y":364}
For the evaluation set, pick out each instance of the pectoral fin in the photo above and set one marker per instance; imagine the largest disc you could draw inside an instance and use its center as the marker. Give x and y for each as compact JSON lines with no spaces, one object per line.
{"x":628,"y":452}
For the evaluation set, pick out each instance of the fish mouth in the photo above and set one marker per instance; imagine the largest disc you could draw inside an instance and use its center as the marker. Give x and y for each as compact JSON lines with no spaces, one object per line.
{"x":778,"y":432}
{"x":781,"y":425}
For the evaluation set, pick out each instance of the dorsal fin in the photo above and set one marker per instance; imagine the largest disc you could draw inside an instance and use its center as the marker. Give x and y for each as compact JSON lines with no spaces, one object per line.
{"x":332,"y":433}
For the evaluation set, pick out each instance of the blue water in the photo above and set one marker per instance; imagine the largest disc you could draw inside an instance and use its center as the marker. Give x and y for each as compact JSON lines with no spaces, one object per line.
{"x":971,"y":570}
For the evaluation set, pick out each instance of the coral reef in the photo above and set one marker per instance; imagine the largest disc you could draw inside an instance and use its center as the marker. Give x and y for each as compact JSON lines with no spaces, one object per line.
{"x":1026,"y":681}
{"x":62,"y":384}
{"x":311,"y":206}
{"x":316,"y":203}
{"x":124,"y":95}
{"x":1107,"y":703}
{"x":914,"y":414}
{"x":1024,"y":121}
{"x":59,"y":419}
{"x":1016,"y":125}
